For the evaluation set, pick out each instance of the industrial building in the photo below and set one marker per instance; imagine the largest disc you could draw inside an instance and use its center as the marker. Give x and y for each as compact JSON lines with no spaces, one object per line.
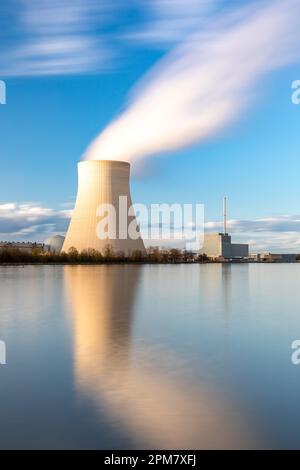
{"x":54,"y":244}
{"x":274,"y":257}
{"x":27,"y":247}
{"x":219,"y":245}
{"x":101,"y":183}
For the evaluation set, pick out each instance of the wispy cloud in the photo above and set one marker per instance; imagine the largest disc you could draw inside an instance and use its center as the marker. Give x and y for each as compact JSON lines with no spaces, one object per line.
{"x":31,"y":221}
{"x":43,"y":37}
{"x":283,"y":223}
{"x":58,"y":16}
{"x":169,"y":21}
{"x":54,"y":37}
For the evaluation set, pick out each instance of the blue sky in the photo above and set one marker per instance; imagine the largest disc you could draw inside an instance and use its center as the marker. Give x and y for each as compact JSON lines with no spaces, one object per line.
{"x":67,"y":79}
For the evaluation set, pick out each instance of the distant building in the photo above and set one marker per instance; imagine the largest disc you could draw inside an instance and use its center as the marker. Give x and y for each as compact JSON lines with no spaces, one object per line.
{"x":54,"y":244}
{"x":254,"y":257}
{"x":239,"y":250}
{"x":278,"y":257}
{"x":22,"y":246}
{"x":218,"y":245}
{"x":273,"y":257}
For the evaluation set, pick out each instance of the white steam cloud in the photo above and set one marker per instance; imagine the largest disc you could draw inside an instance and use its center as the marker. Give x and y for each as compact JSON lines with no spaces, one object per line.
{"x":204,"y":84}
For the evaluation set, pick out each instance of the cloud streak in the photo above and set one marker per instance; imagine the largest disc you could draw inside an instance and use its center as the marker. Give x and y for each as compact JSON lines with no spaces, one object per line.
{"x":284,"y":223}
{"x":53,"y":37}
{"x":31,"y":221}
{"x":204,"y":84}
{"x":170,"y":21}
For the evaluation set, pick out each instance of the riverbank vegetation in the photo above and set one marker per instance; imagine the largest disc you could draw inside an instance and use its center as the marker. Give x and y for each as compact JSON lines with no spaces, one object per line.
{"x":153,"y":255}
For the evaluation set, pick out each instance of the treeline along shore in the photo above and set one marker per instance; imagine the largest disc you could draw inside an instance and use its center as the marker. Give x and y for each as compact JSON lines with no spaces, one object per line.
{"x":15,"y":256}
{"x":153,"y":255}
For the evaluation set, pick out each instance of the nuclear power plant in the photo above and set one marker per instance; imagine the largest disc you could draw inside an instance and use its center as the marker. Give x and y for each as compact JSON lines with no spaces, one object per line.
{"x":101,"y":184}
{"x":219,"y":245}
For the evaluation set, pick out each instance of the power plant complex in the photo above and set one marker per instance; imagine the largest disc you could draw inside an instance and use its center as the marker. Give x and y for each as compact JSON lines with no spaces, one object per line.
{"x":101,"y":184}
{"x":104,"y":185}
{"x":104,"y":221}
{"x":218,"y":245}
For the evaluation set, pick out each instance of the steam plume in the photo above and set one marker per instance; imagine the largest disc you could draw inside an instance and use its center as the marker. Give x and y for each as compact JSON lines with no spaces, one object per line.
{"x":204,"y":84}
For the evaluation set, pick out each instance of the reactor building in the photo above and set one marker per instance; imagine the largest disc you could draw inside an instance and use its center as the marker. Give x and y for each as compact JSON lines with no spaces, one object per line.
{"x":101,"y":185}
{"x":54,"y":244}
{"x":219,"y":245}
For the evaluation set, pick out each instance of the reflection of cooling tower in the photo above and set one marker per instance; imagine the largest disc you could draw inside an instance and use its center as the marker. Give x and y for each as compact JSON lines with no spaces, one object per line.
{"x":102,"y":182}
{"x":102,"y":319}
{"x":136,"y":386}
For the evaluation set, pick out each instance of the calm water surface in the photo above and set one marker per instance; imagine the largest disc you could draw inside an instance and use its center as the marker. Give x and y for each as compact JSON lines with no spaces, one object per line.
{"x":150,"y":356}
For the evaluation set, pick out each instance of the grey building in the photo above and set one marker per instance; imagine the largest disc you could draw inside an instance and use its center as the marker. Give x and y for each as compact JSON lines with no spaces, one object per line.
{"x":219,"y":245}
{"x":278,"y":257}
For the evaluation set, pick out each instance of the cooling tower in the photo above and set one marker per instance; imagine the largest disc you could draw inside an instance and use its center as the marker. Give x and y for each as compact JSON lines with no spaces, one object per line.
{"x":101,"y":183}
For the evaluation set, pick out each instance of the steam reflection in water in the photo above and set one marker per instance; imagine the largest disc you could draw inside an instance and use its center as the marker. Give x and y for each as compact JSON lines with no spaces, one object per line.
{"x":144,"y":389}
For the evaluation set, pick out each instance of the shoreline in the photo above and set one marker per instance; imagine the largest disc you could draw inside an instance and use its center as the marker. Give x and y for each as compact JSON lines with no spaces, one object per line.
{"x":120,"y":263}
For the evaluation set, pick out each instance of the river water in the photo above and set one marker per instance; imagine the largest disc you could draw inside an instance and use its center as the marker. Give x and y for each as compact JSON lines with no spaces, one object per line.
{"x":149,"y":356}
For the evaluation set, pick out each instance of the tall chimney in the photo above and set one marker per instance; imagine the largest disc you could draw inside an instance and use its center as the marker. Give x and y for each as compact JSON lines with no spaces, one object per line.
{"x":225,"y":214}
{"x":101,"y":182}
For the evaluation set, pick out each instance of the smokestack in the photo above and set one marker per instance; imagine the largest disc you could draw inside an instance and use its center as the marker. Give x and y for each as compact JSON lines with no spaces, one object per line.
{"x":101,"y":182}
{"x":225,"y":214}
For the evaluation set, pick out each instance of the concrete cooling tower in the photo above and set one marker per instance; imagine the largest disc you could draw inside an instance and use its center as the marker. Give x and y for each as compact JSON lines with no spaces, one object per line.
{"x":100,"y":183}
